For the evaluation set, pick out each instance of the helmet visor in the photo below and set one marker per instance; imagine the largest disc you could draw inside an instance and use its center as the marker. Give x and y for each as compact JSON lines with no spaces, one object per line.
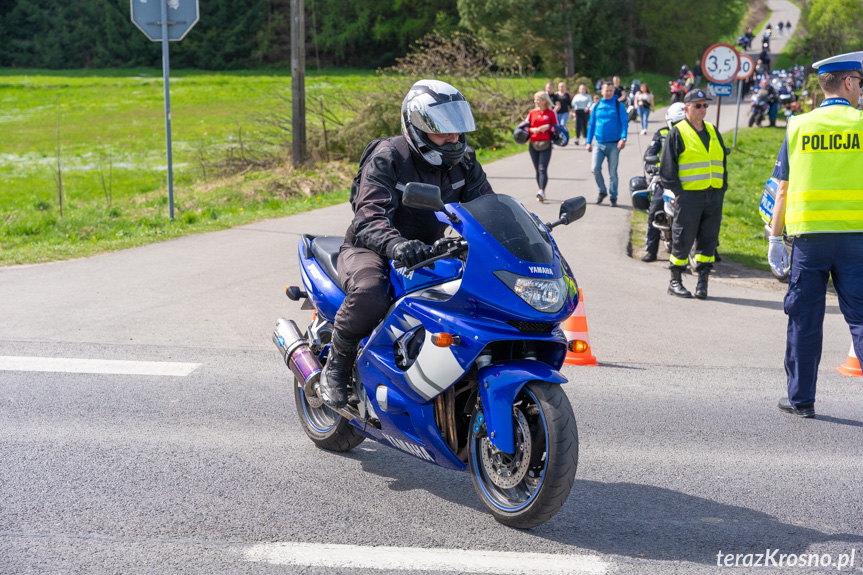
{"x":445,"y":118}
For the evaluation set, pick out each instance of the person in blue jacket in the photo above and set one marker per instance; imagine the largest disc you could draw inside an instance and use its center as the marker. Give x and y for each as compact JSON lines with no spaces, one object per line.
{"x":608,"y":124}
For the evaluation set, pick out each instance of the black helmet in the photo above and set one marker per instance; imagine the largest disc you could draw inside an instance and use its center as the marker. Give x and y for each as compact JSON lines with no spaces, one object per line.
{"x":434,"y":107}
{"x":521,"y":135}
{"x":559,"y":136}
{"x":684,"y":69}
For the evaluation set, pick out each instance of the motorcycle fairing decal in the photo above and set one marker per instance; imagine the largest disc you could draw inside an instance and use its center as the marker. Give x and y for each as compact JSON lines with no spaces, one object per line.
{"x":415,"y":450}
{"x":434,"y":370}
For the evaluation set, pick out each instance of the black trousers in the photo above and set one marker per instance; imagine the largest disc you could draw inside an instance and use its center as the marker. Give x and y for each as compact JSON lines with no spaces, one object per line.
{"x":540,"y":164}
{"x":365,"y":277}
{"x":657,"y":205}
{"x":697,"y":218}
{"x":581,"y":117}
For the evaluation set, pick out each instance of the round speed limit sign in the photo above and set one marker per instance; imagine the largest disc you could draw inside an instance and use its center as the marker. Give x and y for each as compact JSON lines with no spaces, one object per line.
{"x":720,"y":63}
{"x":747,"y":67}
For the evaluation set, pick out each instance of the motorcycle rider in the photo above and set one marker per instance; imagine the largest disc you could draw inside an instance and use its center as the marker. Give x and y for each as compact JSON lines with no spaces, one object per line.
{"x":768,"y":92}
{"x":432,"y":149}
{"x":687,"y":78}
{"x":675,"y":113}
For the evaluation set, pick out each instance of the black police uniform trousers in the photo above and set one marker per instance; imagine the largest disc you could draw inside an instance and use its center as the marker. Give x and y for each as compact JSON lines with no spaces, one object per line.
{"x":657,"y":205}
{"x":365,"y":278}
{"x":813,"y":258}
{"x":697,"y":217}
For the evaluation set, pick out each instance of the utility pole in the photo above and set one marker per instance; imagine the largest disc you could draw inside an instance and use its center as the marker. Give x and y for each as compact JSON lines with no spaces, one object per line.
{"x":298,"y":80}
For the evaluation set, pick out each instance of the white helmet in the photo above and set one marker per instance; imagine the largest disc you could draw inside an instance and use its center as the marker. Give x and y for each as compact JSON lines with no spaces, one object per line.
{"x":435,"y":107}
{"x":676,"y":112}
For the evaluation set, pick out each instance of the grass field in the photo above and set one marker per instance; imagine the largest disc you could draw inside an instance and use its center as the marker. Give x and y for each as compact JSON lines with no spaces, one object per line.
{"x":108,"y":128}
{"x":741,"y":237}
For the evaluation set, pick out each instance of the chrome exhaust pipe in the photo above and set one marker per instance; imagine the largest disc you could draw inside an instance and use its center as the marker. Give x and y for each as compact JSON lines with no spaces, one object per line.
{"x":297,"y":355}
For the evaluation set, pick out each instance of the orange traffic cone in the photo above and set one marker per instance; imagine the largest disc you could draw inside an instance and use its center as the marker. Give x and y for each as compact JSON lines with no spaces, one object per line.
{"x":851,"y":367}
{"x":575,"y":329}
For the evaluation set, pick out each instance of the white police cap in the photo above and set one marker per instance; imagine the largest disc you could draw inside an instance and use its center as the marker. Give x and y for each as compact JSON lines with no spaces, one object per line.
{"x":849,"y":61}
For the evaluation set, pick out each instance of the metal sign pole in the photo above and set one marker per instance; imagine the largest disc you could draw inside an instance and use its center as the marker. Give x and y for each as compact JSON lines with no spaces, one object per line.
{"x":737,"y":121}
{"x":166,"y":72}
{"x":718,"y":106}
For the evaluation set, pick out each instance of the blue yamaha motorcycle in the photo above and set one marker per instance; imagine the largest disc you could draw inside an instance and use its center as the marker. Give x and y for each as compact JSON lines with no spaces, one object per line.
{"x":463,"y":370}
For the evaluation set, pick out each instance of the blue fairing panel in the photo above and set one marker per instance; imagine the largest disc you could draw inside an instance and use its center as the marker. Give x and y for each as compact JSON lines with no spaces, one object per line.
{"x":499,"y":384}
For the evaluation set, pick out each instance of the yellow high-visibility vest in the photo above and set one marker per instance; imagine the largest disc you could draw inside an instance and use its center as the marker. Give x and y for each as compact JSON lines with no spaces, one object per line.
{"x":699,"y":168}
{"x":825,"y":190}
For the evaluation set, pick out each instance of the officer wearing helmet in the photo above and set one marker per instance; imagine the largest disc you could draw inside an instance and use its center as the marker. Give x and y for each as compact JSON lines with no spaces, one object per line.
{"x":675,"y":113}
{"x":431,"y":150}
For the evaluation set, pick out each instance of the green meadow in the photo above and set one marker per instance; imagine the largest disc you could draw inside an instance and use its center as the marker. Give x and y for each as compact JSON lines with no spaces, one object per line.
{"x":107,"y":127}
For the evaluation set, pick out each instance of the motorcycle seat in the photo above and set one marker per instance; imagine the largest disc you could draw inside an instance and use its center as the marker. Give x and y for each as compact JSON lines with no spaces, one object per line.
{"x":325,"y":249}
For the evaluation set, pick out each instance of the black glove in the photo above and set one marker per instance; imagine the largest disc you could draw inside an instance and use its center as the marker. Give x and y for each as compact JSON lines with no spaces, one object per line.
{"x":411,"y":252}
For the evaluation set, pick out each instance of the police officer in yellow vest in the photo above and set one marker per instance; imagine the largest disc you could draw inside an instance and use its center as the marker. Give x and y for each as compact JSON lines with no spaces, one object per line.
{"x":693,"y":167}
{"x":819,"y":202}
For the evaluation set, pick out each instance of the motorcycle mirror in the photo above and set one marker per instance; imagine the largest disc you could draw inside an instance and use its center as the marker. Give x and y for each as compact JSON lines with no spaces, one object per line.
{"x":570,"y":210}
{"x":422,"y":196}
{"x":426,"y":197}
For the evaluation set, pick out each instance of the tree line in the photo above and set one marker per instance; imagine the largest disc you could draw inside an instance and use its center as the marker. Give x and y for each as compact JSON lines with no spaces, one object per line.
{"x":591,"y":37}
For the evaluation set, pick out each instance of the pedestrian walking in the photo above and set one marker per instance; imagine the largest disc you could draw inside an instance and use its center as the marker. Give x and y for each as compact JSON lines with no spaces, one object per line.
{"x":581,"y":106}
{"x":781,"y":27}
{"x":693,"y":167}
{"x":817,"y":202}
{"x":788,"y":27}
{"x":619,"y":90}
{"x":564,"y":103}
{"x":540,"y":121}
{"x":697,"y":72}
{"x":644,"y":105}
{"x":608,"y":124}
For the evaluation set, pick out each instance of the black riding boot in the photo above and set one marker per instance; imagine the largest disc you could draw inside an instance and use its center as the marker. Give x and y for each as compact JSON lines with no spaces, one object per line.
{"x":701,"y":286}
{"x":675,"y":287}
{"x":334,"y":381}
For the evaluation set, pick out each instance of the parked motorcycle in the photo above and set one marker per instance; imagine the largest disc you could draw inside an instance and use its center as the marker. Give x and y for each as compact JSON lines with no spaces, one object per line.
{"x":631,"y":109}
{"x":678,"y":90}
{"x":641,"y":191}
{"x":463,"y":371}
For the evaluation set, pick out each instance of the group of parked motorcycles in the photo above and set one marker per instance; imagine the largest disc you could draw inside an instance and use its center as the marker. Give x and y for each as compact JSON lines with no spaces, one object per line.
{"x":778,"y":90}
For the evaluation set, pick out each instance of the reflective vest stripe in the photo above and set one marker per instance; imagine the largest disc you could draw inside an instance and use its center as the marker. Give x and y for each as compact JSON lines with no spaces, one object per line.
{"x":699,"y":168}
{"x":824,"y":189}
{"x":693,"y":165}
{"x":694,"y":178}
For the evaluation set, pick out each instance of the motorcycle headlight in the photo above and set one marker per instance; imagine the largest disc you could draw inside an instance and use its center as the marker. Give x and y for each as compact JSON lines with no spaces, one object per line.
{"x":546,"y":295}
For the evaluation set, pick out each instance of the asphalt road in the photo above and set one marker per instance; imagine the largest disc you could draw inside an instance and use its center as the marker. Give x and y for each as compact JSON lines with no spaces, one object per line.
{"x":683,"y":453}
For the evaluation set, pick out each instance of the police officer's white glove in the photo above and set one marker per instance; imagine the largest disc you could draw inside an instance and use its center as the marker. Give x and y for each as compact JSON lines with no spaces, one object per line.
{"x":777,"y":256}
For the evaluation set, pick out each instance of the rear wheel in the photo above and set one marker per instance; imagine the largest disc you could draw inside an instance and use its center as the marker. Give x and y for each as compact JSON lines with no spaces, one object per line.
{"x":751,"y":119}
{"x":527,"y":488}
{"x":326,"y":428}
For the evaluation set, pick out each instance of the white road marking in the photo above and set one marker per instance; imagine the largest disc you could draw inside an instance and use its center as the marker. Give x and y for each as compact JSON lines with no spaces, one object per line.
{"x":418,"y":559}
{"x":107,"y":366}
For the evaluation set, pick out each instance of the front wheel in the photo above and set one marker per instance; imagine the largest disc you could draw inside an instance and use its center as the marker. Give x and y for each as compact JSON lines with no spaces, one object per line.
{"x":326,"y":428}
{"x":527,"y":488}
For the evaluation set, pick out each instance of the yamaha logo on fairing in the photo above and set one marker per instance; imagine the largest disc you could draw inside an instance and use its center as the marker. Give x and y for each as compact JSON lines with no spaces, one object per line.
{"x":408,"y":447}
{"x":406,"y":275}
{"x":540,"y":270}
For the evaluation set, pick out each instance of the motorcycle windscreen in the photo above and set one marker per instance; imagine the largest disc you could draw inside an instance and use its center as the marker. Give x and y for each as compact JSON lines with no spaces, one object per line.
{"x":512,"y":226}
